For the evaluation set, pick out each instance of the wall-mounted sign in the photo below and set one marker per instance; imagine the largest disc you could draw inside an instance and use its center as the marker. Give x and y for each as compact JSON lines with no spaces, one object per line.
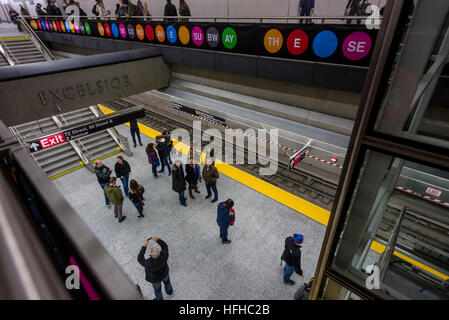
{"x":298,"y":157}
{"x":433,"y":192}
{"x":343,"y":44}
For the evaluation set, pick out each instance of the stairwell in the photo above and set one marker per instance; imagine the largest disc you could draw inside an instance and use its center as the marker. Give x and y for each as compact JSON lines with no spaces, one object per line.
{"x":22,"y":50}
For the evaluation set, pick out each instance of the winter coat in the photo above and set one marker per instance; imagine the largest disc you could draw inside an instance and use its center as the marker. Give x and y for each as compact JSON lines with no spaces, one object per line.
{"x":178,"y":180}
{"x":122,"y":169}
{"x":40,"y":11}
{"x":137,"y":196}
{"x":224,"y":217}
{"x":210,"y":174}
{"x":133,"y":123}
{"x":170,"y":10}
{"x":190,"y":173}
{"x":103,"y":174}
{"x":155,"y":269}
{"x":162,"y":149}
{"x":114,"y":194}
{"x":292,"y":255}
{"x":152,"y":156}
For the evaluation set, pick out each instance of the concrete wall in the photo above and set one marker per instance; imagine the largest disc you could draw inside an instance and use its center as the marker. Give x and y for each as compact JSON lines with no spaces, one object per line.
{"x":223,"y":8}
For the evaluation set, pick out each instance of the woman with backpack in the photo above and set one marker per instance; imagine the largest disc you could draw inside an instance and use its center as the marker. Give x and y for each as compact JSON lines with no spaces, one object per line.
{"x":153,"y":158}
{"x":136,"y":196}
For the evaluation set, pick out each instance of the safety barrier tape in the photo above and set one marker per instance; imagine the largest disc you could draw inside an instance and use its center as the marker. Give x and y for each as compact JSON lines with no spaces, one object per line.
{"x":440,"y":202}
{"x":239,"y":130}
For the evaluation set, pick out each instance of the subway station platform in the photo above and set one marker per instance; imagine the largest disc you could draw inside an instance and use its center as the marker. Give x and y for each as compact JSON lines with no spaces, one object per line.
{"x":201,"y":267}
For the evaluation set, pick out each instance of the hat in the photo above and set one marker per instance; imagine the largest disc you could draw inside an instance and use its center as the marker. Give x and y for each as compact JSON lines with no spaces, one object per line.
{"x":125,"y":1}
{"x":298,"y":238}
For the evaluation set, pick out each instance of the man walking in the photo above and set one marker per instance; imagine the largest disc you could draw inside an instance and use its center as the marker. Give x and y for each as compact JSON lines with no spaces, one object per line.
{"x":103,"y":175}
{"x":179,"y":182}
{"x":163,"y":154}
{"x":225,"y":214}
{"x":170,"y":10}
{"x":115,"y":195}
{"x":210,"y":176}
{"x":354,"y":8}
{"x":122,"y":170}
{"x":292,"y":257}
{"x":156,"y":267}
{"x":135,"y":131}
{"x":306,"y":8}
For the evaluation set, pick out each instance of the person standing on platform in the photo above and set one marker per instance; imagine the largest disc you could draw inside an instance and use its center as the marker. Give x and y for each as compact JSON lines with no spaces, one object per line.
{"x":136,"y":196}
{"x":170,"y":11}
{"x":40,"y":11}
{"x":292,"y":257}
{"x":156,"y":267}
{"x":179,"y":182}
{"x":115,"y":195}
{"x":192,"y":177}
{"x":225,"y":215}
{"x":134,"y":127}
{"x":163,"y":155}
{"x":165,"y":134}
{"x":23,"y":11}
{"x":184,"y":10}
{"x":152,"y":158}
{"x":210,"y":176}
{"x":306,"y":8}
{"x":103,"y":176}
{"x":354,"y":8}
{"x":122,"y":170}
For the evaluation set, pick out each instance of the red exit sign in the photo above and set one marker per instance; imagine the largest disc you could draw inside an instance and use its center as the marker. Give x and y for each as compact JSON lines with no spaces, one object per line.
{"x":433,"y":192}
{"x":48,"y":142}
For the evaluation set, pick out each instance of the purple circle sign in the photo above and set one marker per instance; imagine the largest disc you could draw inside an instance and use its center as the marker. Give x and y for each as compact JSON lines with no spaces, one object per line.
{"x":197,"y":36}
{"x":122,"y":30}
{"x":212,"y":37}
{"x":357,"y":46}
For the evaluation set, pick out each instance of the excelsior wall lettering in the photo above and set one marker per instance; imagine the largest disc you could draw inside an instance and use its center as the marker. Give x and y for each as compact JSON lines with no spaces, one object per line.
{"x":343,"y":44}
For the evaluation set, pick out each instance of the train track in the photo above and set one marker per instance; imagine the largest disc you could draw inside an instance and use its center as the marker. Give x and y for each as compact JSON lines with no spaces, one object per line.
{"x":298,"y":182}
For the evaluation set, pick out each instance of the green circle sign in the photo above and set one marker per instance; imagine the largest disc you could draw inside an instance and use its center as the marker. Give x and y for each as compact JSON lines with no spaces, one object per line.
{"x":87,"y":26}
{"x":229,"y":38}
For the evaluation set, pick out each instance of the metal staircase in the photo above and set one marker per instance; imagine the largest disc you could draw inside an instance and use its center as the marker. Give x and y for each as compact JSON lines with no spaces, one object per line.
{"x":78,"y":153}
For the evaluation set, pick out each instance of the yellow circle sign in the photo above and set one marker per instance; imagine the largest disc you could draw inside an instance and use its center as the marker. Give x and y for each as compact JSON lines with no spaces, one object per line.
{"x":160,"y":33}
{"x":72,"y":27}
{"x":34,"y":24}
{"x":140,"y":32}
{"x":100,"y":29}
{"x":184,"y":35}
{"x":273,"y":40}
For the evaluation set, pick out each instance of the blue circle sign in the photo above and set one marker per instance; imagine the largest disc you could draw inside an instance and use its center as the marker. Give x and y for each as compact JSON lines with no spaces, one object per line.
{"x":325,"y":44}
{"x":171,"y":34}
{"x":114,"y":29}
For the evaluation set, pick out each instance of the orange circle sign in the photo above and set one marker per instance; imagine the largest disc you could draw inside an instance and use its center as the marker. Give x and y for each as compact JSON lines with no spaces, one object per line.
{"x":72,"y":27}
{"x":160,"y":33}
{"x":34,"y":24}
{"x":140,"y":32}
{"x":100,"y":29}
{"x":184,"y":35}
{"x":273,"y":40}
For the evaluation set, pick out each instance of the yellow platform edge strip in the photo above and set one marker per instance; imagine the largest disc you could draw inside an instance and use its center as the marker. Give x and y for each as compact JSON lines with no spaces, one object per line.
{"x":300,"y":205}
{"x":15,"y":38}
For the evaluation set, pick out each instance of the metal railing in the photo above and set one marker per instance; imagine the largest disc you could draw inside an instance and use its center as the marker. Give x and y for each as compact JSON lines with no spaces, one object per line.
{"x":295,"y":19}
{"x":7,"y":53}
{"x":36,"y":40}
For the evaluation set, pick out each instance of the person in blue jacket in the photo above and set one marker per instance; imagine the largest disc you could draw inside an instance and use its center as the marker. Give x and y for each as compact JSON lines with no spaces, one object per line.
{"x":224,"y":218}
{"x":306,"y":8}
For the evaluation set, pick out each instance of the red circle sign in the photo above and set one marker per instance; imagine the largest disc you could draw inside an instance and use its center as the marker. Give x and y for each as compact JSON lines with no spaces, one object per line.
{"x":149,"y":32}
{"x":107,"y":29}
{"x":297,"y":42}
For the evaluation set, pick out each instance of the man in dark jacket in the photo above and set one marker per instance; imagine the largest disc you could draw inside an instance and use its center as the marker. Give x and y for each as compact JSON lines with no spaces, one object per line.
{"x":170,"y":11}
{"x":179,"y":182}
{"x":135,"y":131}
{"x":210,"y":176}
{"x":122,"y":170}
{"x":156,"y":267}
{"x":192,"y":177}
{"x":306,"y":8}
{"x":292,"y":257}
{"x":103,"y":175}
{"x":224,"y":218}
{"x":354,"y":8}
{"x":163,"y":155}
{"x":53,"y":10}
{"x":40,"y":11}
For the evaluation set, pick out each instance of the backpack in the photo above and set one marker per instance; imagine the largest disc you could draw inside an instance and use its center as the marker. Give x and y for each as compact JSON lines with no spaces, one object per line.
{"x":94,"y":10}
{"x":139,"y":11}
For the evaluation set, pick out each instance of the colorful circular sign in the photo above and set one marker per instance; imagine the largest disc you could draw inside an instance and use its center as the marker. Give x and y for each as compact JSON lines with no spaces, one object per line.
{"x":273,"y":40}
{"x":131,"y":32}
{"x":197,"y":36}
{"x":47,"y":27}
{"x":77,"y":27}
{"x":297,"y":42}
{"x":212,"y":37}
{"x":39,"y":23}
{"x":72,"y":27}
{"x":122,"y":30}
{"x":184,"y":35}
{"x":140,"y":32}
{"x":33,"y":24}
{"x":171,"y":34}
{"x":67,"y":27}
{"x":100,"y":29}
{"x":325,"y":44}
{"x":114,"y":29}
{"x":82,"y":29}
{"x":87,"y":26}
{"x":63,"y":26}
{"x":54,"y":27}
{"x":149,"y":32}
{"x":229,"y":38}
{"x":107,"y":29}
{"x":160,"y":33}
{"x":357,"y":46}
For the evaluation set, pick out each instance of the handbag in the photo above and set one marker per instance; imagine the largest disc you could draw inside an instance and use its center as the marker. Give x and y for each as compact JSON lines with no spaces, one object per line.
{"x":142,"y":201}
{"x":233,"y":218}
